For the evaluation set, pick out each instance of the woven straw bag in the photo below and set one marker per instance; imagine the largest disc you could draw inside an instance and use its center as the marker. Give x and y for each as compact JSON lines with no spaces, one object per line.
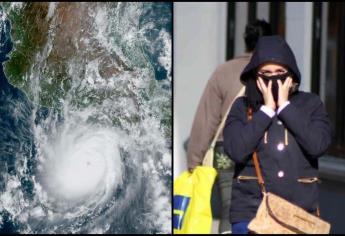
{"x":278,"y":216}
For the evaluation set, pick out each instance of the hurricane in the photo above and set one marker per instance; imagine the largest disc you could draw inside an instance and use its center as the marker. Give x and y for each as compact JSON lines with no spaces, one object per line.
{"x":85,"y":104}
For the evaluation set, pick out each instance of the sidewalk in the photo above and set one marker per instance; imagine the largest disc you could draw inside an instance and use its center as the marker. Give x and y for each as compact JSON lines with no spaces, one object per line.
{"x":332,"y":192}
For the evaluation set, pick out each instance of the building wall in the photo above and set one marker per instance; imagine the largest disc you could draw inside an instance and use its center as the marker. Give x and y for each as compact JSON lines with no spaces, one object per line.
{"x":298,"y":33}
{"x":199,"y":46}
{"x":241,"y":16}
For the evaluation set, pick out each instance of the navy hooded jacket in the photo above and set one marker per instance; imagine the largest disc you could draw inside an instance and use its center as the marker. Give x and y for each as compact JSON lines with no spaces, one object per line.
{"x":291,"y":170}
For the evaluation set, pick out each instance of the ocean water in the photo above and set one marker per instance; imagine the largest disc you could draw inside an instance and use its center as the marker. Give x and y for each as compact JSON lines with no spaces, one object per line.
{"x":85,"y":144}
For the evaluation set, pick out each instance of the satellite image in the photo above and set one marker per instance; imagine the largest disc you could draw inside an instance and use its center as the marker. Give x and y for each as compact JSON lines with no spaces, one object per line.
{"x":85,"y":117}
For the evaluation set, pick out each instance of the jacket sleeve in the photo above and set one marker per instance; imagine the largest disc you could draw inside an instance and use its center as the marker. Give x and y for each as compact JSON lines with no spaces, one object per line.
{"x":311,"y":130}
{"x":241,"y":137}
{"x":206,"y":121}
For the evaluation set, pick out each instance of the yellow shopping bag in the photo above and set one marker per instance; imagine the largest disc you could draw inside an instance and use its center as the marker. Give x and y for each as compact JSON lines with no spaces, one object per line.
{"x":192,"y":191}
{"x":192,"y":201}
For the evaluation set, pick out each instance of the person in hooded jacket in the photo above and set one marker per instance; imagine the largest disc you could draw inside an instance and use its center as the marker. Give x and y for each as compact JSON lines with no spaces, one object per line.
{"x":289,"y":130}
{"x":219,"y":92}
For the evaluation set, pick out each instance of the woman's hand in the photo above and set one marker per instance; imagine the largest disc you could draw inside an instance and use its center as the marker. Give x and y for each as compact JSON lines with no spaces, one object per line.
{"x":284,"y":90}
{"x":267,"y":93}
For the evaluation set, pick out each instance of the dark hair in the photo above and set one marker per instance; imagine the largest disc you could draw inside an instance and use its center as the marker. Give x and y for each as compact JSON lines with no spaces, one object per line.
{"x":254,"y":31}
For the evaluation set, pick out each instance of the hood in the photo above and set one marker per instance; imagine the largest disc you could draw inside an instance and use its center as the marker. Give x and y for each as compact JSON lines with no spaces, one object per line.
{"x":272,"y":49}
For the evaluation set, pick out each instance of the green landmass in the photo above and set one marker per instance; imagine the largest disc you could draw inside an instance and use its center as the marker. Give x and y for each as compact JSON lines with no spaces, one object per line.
{"x":30,"y":29}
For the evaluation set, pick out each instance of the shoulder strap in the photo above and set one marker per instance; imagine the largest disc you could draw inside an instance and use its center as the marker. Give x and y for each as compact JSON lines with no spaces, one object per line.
{"x":255,"y":158}
{"x":222,"y":123}
{"x":208,"y":158}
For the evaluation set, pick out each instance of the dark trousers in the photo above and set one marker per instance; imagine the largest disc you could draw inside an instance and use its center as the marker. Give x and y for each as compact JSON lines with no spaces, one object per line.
{"x":225,"y":169}
{"x":240,"y":227}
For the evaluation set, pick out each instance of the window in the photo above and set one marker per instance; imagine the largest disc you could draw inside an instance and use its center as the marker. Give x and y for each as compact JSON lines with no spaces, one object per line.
{"x":251,"y":11}
{"x":328,"y":67}
{"x":277,"y":18}
{"x":230,"y":32}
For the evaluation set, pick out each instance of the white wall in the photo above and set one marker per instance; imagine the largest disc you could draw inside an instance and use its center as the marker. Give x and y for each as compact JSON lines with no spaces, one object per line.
{"x":299,"y":19}
{"x":241,"y":15}
{"x":199,"y":46}
{"x":263,"y":11}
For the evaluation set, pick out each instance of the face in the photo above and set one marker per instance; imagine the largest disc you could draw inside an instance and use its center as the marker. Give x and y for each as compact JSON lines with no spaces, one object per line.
{"x":271,"y":69}
{"x":267,"y":71}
